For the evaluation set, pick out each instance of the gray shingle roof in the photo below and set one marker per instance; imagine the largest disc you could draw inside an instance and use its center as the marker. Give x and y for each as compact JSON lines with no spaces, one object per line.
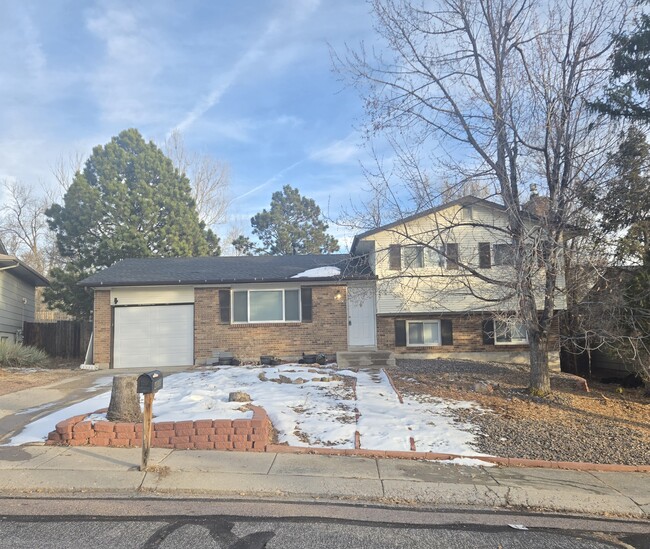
{"x":218,"y":270}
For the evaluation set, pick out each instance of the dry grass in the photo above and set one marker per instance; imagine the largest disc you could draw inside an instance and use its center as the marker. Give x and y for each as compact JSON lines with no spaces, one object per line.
{"x":509,"y":399}
{"x":12,"y":380}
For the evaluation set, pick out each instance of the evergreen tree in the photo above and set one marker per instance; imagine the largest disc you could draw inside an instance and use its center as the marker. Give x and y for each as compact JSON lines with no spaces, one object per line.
{"x":243,"y":245}
{"x":628,"y":95}
{"x":128,"y":201}
{"x":625,"y":206}
{"x":292,"y":226}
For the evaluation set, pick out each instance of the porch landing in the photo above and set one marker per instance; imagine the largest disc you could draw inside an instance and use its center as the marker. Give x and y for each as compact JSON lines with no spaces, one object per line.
{"x":365,"y":359}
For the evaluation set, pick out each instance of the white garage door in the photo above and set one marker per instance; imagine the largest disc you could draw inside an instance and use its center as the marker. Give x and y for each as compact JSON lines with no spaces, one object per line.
{"x":153,"y":336}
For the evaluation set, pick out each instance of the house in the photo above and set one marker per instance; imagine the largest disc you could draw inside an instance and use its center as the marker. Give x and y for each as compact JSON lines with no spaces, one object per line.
{"x":399,"y":290}
{"x":438,"y":276}
{"x":17,"y":295}
{"x":180,"y":311}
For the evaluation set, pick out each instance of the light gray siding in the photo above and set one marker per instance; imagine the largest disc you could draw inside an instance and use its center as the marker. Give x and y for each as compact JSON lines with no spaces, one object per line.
{"x":13,"y":312}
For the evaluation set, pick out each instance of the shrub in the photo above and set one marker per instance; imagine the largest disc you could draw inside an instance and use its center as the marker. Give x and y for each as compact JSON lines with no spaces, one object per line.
{"x":13,"y":355}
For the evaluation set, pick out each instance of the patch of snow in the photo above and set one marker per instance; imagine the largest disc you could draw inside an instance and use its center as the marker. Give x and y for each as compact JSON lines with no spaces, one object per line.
{"x":470,"y":462}
{"x":307,"y":413}
{"x":387,"y":424}
{"x":38,"y":430}
{"x":319,"y":272}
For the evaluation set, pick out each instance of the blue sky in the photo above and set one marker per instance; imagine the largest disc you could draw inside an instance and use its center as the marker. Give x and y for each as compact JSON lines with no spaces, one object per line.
{"x":250,"y":83}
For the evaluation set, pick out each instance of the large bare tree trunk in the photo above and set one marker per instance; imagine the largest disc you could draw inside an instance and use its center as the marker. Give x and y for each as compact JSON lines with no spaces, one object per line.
{"x":125,"y":402}
{"x":540,"y":379}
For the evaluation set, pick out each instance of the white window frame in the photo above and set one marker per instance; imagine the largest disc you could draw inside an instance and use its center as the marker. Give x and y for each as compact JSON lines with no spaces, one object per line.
{"x":409,"y":344}
{"x":248,"y":306}
{"x":511,"y":322}
{"x":494,"y":258}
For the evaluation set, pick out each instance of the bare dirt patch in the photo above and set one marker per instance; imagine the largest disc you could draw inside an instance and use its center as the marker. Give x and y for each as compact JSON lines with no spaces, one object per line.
{"x":17,"y":379}
{"x":603,"y":426}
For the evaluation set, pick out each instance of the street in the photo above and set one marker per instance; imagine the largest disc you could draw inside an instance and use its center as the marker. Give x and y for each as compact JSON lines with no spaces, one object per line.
{"x":136,"y":524}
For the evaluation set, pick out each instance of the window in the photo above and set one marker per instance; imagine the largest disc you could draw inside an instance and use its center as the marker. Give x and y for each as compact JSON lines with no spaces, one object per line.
{"x":451,"y":251}
{"x":394,"y":257}
{"x":266,"y":306}
{"x":510,"y":332}
{"x":413,"y":257}
{"x":466,"y":213}
{"x":504,"y":254}
{"x":484,"y":256}
{"x":423,"y":333}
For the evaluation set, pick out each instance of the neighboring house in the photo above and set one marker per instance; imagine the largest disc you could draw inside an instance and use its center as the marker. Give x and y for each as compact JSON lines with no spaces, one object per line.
{"x":17,"y":295}
{"x":391,"y":293}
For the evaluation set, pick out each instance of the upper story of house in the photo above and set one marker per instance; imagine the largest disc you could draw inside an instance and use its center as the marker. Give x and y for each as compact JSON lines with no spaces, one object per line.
{"x":457,"y":257}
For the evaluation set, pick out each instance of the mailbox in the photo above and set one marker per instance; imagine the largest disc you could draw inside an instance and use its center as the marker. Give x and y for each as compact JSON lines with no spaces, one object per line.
{"x":151,"y":382}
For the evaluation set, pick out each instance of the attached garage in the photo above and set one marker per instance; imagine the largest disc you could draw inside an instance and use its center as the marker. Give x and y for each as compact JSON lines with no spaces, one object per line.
{"x":153,"y":327}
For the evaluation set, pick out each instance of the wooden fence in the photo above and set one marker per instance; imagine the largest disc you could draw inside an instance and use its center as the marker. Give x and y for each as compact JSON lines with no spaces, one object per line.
{"x":65,"y":338}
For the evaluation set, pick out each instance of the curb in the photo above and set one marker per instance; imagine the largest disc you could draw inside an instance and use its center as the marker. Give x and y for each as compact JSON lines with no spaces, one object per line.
{"x":433,"y":456}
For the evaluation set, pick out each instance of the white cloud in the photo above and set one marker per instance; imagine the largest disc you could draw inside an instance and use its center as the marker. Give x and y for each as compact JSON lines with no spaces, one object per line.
{"x":123,"y":83}
{"x":260,"y":50}
{"x":343,"y":151}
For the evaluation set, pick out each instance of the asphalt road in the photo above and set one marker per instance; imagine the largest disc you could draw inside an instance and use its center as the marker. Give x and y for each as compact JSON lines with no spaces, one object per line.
{"x":271,"y":525}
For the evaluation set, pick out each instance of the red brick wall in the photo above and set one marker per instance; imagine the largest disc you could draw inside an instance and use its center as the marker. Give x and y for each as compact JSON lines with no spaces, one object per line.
{"x":203,"y":434}
{"x":327,"y":333}
{"x":102,"y":328}
{"x":468,"y":335}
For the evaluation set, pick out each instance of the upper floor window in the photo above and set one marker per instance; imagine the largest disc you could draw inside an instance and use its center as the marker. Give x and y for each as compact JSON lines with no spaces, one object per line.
{"x":413,"y":257}
{"x":451,"y":253}
{"x":504,"y":254}
{"x":266,"y":306}
{"x":466,"y":213}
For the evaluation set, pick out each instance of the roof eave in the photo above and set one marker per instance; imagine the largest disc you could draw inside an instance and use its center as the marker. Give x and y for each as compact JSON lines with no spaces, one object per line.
{"x":202,"y":282}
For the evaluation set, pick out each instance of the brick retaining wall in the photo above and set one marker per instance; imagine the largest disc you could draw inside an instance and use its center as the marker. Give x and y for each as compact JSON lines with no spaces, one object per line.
{"x":250,"y":435}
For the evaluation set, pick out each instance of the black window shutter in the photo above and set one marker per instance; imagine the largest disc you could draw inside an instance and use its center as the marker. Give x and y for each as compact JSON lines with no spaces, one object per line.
{"x":394,"y":257}
{"x":400,"y":333}
{"x":446,"y":332}
{"x":484,"y":255}
{"x":488,"y":332}
{"x":224,"y":305}
{"x":305,"y":300}
{"x":451,"y":251}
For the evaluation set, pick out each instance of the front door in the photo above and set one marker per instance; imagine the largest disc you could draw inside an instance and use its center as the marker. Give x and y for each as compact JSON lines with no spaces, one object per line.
{"x":361,"y":316}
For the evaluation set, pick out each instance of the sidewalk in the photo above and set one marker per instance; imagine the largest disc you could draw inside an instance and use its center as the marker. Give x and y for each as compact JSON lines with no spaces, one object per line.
{"x":53,"y":469}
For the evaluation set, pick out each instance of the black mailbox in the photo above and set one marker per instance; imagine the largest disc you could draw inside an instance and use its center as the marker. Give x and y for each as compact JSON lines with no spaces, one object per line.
{"x":151,"y":382}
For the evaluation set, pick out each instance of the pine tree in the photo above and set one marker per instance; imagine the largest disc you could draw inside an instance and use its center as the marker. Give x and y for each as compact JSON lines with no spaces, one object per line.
{"x":628,"y":95}
{"x":292,"y":226}
{"x":128,"y":201}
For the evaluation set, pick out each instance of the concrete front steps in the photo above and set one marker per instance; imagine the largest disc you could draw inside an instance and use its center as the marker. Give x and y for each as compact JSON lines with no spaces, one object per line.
{"x":365,"y":359}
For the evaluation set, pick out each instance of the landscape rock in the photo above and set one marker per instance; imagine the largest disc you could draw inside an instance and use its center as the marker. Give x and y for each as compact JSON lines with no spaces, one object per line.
{"x":239,"y":396}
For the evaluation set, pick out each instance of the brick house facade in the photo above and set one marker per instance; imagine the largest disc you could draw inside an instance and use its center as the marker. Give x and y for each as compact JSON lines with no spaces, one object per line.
{"x":325,"y":333}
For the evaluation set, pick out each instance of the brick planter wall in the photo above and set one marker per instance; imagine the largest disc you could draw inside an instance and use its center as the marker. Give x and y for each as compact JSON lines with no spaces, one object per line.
{"x":250,"y":435}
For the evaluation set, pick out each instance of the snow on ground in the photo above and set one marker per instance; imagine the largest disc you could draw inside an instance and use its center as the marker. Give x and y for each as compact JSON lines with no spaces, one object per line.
{"x":38,"y":430}
{"x":319,"y":272}
{"x":385,"y":423}
{"x":308,"y":406}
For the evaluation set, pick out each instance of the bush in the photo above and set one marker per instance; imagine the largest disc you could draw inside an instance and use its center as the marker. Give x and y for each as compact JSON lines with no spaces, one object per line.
{"x":13,"y":355}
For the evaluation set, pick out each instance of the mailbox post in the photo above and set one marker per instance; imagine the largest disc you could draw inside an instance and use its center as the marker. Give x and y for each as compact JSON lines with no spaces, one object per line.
{"x":148,"y":385}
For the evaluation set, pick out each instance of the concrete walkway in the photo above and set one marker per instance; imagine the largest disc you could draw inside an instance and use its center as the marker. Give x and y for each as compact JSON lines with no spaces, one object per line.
{"x":31,"y":469}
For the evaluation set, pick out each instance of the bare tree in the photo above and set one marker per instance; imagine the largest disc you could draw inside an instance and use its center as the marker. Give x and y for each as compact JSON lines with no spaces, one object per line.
{"x":493,"y":92}
{"x":23,"y":225}
{"x":65,"y":169}
{"x":210,"y":179}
